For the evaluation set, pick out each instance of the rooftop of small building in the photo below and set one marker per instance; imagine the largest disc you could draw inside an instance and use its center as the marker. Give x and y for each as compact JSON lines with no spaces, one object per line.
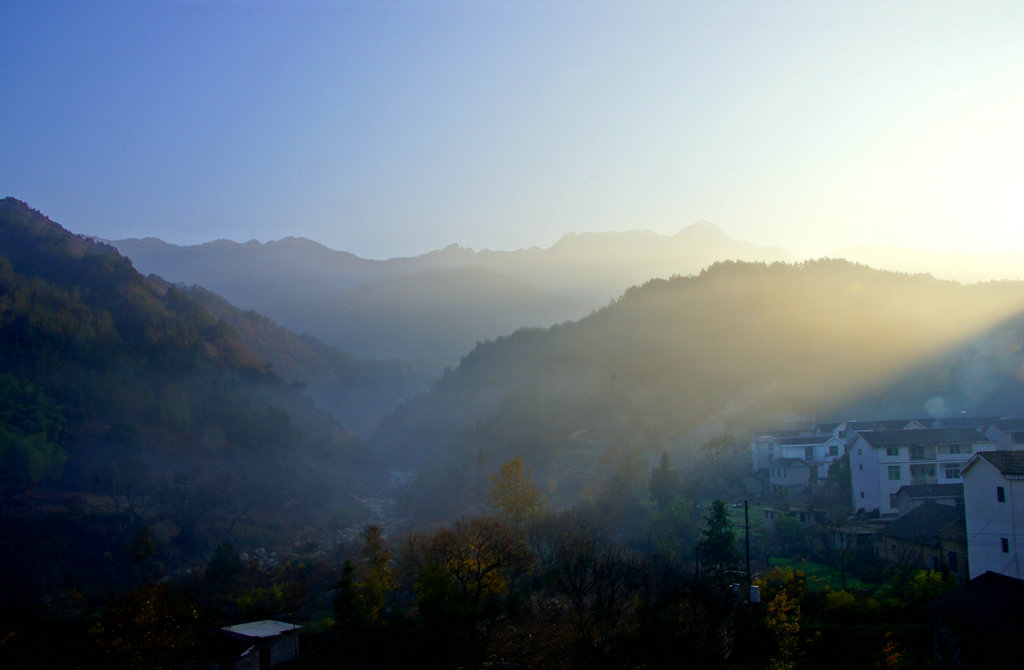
{"x":261,"y":629}
{"x":929,"y":524}
{"x":1009,"y":463}
{"x":933,"y":490}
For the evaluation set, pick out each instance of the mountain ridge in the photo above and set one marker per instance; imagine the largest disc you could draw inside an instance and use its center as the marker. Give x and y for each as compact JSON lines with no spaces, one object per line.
{"x":584,"y":270}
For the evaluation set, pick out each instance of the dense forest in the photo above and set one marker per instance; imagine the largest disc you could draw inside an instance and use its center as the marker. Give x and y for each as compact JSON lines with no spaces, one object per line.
{"x":131,"y":416}
{"x":357,"y":391}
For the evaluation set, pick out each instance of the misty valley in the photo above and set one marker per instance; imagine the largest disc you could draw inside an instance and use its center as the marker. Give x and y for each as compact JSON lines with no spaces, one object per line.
{"x":623,"y":451}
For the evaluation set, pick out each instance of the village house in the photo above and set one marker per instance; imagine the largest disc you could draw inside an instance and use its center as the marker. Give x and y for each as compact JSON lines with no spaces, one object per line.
{"x":882,"y":462}
{"x":258,"y":645}
{"x":994,"y":504}
{"x":910,"y":496}
{"x":929,"y":537}
{"x":793,"y":464}
{"x":1006,"y":433}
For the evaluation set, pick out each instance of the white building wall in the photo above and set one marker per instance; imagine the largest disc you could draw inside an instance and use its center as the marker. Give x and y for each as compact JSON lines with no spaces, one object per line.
{"x":869,"y":471}
{"x":863,"y":475}
{"x":990,"y":521}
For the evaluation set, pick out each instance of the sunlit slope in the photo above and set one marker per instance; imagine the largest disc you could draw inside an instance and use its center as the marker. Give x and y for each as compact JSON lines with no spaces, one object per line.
{"x":673,"y":361}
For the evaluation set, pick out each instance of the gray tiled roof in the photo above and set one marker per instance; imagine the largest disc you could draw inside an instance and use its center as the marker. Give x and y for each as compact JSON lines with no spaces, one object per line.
{"x":926,"y":436}
{"x":1007,"y":462}
{"x":959,"y":421}
{"x":803,"y":441}
{"x":787,"y":462}
{"x":1009,"y":425}
{"x":933,"y":490}
{"x":928,"y":524}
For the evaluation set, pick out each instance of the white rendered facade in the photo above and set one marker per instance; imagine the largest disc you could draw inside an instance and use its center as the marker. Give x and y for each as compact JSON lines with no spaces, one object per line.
{"x":882,"y":462}
{"x":994,"y":508}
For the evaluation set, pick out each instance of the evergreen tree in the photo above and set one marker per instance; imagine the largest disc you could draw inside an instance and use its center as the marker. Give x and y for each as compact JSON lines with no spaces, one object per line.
{"x":718,"y":548}
{"x":664,"y":484}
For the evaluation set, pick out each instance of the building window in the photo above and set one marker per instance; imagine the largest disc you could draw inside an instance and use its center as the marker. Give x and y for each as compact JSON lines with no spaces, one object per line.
{"x":893,"y":503}
{"x":894,"y":473}
{"x":917,"y":453}
{"x":861,"y":494}
{"x":1005,"y":543}
{"x":860,"y":452}
{"x":954,"y":448}
{"x":833,"y":450}
{"x":951,"y":470}
{"x":1000,"y":494}
{"x":860,"y":466}
{"x":892,"y":451}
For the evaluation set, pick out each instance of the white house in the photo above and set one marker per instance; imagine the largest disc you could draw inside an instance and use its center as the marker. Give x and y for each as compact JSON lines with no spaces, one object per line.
{"x":994,"y":504}
{"x":881,"y":462}
{"x":792,"y":463}
{"x":1006,"y":433}
{"x":818,"y":451}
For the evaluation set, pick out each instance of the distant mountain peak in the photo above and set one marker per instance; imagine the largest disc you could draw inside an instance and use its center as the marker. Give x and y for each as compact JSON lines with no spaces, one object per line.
{"x":705,"y":228}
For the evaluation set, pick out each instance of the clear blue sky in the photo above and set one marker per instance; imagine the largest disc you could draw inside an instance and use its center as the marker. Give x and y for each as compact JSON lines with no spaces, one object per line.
{"x":393,"y":128}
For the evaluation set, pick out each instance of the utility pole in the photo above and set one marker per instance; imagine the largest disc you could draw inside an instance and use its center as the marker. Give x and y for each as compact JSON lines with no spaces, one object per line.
{"x":746,"y":538}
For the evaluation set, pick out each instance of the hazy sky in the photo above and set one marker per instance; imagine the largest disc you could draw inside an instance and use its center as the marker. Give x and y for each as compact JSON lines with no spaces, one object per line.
{"x":392,"y":128}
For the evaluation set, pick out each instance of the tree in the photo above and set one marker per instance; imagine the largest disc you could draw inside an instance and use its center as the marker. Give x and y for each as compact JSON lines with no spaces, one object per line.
{"x":460,"y":575}
{"x":30,"y":423}
{"x":664,"y":484}
{"x":377,"y":578}
{"x":718,"y":548}
{"x":513,"y":494}
{"x":599,"y":579}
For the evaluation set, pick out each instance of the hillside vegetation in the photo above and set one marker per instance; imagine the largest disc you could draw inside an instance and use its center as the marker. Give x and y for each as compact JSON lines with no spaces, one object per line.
{"x":677,"y":362}
{"x":137,"y":382}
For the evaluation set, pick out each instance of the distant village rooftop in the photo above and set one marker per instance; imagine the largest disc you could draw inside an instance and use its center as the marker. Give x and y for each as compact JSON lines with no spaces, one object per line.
{"x":894,"y":438}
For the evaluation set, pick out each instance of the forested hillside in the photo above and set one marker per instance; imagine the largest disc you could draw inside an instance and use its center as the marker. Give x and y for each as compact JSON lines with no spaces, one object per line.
{"x":675,"y":363}
{"x":357,"y":391}
{"x":114,"y":383}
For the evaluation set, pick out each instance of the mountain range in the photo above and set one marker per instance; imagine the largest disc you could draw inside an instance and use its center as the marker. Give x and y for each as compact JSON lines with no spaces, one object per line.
{"x":436,"y":306}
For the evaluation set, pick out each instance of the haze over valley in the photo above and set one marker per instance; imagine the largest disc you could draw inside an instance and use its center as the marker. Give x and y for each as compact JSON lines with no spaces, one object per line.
{"x":518,"y":335}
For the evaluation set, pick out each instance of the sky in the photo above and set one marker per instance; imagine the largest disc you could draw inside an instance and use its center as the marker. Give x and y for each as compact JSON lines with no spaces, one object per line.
{"x":394,"y":128}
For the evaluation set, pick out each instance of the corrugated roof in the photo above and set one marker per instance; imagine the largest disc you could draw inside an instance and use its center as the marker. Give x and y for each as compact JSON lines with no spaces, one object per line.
{"x":924,"y":436}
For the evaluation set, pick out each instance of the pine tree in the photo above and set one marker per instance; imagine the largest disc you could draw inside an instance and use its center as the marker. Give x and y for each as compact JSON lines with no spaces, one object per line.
{"x":718,"y":548}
